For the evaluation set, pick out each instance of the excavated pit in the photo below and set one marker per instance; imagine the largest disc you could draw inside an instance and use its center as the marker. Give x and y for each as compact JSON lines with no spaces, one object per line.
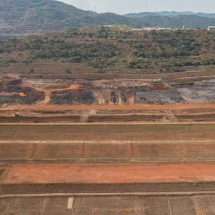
{"x":38,"y":100}
{"x":117,"y":92}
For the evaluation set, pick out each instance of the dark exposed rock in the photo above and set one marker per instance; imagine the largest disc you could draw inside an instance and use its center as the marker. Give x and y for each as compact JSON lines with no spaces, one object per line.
{"x":74,"y":97}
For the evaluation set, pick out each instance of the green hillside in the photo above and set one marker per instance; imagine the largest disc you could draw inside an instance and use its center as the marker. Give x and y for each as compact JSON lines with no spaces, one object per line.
{"x":45,"y":15}
{"x":115,"y":48}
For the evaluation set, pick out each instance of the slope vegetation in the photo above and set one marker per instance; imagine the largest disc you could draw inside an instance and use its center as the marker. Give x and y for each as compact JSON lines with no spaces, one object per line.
{"x":118,"y":49}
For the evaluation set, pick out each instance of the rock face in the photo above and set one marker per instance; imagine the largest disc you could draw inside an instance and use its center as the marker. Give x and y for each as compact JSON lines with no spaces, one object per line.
{"x":13,"y":92}
{"x":74,"y":97}
{"x":200,"y":91}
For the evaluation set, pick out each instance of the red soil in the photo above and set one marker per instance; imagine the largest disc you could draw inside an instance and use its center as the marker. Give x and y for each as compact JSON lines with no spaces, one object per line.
{"x":109,"y":173}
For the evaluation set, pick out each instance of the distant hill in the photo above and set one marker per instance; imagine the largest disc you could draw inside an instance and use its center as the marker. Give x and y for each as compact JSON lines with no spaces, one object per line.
{"x":169,"y":14}
{"x":20,"y":17}
{"x":172,"y":19}
{"x":44,"y":15}
{"x":189,"y":21}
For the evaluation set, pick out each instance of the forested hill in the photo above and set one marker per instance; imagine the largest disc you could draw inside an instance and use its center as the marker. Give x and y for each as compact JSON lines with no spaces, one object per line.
{"x":35,"y":16}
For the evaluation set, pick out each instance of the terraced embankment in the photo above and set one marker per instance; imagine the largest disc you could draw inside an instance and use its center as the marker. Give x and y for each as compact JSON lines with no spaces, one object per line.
{"x":175,"y":158}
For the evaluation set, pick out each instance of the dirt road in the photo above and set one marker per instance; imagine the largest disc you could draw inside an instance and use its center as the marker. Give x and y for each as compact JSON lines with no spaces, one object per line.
{"x":113,"y":107}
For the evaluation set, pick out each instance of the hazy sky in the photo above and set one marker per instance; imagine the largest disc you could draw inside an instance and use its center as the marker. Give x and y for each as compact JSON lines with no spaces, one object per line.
{"x":128,"y":6}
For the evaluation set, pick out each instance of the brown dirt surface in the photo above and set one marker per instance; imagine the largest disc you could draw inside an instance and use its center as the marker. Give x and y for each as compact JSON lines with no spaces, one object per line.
{"x":114,"y":107}
{"x":47,"y":113}
{"x":58,"y":152}
{"x":102,"y":152}
{"x":111,"y":205}
{"x":132,"y":152}
{"x":109,"y":132}
{"x":16,"y":151}
{"x":109,"y":173}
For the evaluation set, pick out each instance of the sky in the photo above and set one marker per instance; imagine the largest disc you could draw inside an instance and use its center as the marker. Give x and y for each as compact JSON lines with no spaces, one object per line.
{"x":134,"y":6}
